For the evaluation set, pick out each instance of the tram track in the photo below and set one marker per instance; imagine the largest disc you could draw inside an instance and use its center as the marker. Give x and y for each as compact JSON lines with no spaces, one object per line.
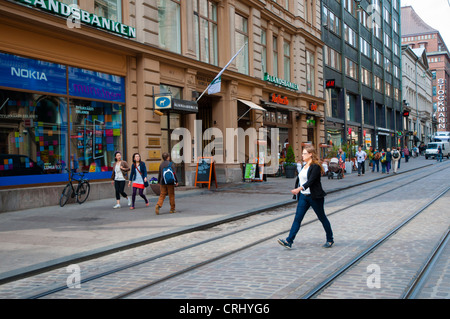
{"x":420,"y":280}
{"x":216,"y":238}
{"x":378,"y":185}
{"x":109,"y":251}
{"x":413,"y":287}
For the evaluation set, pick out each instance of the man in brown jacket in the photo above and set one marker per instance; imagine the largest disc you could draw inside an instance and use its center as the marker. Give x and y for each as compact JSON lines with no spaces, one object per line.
{"x":166,"y":189}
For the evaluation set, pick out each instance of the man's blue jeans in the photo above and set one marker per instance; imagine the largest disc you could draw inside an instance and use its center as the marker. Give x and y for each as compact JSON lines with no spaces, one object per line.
{"x":304,"y":203}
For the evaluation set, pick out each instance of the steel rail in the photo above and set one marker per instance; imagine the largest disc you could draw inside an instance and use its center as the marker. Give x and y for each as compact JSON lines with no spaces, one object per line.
{"x":423,"y":274}
{"x":329,"y":280}
{"x":145,"y":286}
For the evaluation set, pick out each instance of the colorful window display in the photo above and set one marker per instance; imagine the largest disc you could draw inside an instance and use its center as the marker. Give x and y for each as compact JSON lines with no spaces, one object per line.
{"x":35,"y":127}
{"x":95,"y":134}
{"x":54,"y":117}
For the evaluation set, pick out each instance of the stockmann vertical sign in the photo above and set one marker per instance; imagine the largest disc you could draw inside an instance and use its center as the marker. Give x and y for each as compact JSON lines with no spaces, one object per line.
{"x":76,"y":14}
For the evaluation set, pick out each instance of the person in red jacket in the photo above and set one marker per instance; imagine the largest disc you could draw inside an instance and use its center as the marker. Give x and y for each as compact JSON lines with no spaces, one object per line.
{"x":311,"y":195}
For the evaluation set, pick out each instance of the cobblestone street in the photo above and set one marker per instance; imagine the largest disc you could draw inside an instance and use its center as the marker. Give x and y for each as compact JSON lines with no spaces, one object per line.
{"x":242,"y":259}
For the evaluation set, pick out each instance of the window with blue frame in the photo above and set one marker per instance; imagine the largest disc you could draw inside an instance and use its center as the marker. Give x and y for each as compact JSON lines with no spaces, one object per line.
{"x":47,"y":126}
{"x":33,"y":134}
{"x":95,"y":134}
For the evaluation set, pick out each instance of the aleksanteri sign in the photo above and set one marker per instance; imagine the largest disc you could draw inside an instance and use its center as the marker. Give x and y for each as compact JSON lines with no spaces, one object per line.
{"x":274,"y":80}
{"x":74,"y":13}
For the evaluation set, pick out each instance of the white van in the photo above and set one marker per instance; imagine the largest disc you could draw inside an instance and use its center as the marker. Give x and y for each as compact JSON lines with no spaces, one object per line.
{"x":432,"y":149}
{"x":441,"y":137}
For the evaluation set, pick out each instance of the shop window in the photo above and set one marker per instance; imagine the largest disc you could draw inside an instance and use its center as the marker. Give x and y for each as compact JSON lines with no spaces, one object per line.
{"x":95,"y":134}
{"x":32,"y":135}
{"x":37,"y":143}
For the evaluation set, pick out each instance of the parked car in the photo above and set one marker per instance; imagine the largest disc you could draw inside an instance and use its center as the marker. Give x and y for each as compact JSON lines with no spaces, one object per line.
{"x":14,"y":165}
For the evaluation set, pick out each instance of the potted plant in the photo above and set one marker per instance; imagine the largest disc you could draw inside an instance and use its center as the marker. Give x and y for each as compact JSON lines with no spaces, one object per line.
{"x":155,"y":186}
{"x":290,"y":166}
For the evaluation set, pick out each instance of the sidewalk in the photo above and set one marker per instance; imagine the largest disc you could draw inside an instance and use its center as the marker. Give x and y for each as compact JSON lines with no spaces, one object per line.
{"x":46,"y":236}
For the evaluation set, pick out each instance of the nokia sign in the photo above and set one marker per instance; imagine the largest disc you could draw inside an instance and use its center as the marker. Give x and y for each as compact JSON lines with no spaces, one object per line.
{"x":28,"y":74}
{"x":35,"y":75}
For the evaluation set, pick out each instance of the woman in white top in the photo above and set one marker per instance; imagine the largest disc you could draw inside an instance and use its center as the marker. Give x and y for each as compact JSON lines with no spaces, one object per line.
{"x":119,"y":176}
{"x":311,"y":194}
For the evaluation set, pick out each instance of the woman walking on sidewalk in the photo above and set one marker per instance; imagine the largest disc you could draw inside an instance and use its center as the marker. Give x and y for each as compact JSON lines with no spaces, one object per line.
{"x":388,"y":160}
{"x":341,"y":158}
{"x":139,"y":177}
{"x":119,"y":176}
{"x":311,"y":194}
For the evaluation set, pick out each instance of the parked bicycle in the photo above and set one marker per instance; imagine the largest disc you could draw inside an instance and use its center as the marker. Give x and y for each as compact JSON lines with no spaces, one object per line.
{"x":81,"y":192}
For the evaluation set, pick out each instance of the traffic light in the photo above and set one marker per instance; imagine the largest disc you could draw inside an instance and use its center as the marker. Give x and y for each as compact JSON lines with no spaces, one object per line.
{"x":405,"y":113}
{"x":399,"y":133}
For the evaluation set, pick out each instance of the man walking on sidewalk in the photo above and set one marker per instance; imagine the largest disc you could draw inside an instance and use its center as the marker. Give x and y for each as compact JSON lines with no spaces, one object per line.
{"x":395,"y":159}
{"x":361,"y":159}
{"x":167,"y":180}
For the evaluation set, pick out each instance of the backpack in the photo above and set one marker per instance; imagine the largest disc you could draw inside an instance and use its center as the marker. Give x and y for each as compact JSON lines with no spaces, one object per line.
{"x":377,"y":156}
{"x":383,"y":159}
{"x":168,"y":175}
{"x":395,"y":154}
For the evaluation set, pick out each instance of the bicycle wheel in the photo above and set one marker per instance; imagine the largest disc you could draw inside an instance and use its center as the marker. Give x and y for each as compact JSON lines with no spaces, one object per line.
{"x":65,"y":195}
{"x":83,"y":191}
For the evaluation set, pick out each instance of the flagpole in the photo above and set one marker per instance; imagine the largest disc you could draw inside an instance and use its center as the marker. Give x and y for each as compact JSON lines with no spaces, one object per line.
{"x":224,"y":68}
{"x":204,"y":91}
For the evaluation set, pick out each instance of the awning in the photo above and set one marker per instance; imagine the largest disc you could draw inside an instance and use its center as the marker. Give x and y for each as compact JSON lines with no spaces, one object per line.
{"x":252,"y":106}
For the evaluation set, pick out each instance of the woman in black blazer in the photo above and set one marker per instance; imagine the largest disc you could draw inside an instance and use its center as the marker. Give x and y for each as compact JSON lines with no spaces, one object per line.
{"x":310,"y":194}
